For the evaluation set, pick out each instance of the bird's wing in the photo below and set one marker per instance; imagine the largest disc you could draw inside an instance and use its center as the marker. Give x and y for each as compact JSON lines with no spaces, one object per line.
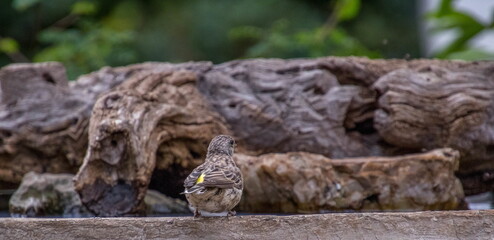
{"x":207,"y":176}
{"x":211,"y":175}
{"x":191,"y":180}
{"x":234,"y":174}
{"x":218,"y":178}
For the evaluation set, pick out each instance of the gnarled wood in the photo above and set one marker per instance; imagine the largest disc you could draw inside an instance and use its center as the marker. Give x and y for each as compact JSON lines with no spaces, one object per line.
{"x":310,"y":183}
{"x":44,"y":119}
{"x":43,"y":124}
{"x":330,"y":106}
{"x":338,"y":107}
{"x":127,"y":127}
{"x":282,"y":106}
{"x":438,"y":107}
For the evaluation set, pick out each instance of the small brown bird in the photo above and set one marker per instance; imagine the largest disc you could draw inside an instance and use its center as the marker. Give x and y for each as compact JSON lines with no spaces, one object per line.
{"x":215,"y":187}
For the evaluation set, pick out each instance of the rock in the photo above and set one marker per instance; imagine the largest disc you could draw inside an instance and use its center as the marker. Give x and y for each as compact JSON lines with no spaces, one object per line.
{"x":152,"y":114}
{"x":399,"y":225}
{"x":54,"y":195}
{"x":309,"y":183}
{"x":159,"y":204}
{"x":47,"y":195}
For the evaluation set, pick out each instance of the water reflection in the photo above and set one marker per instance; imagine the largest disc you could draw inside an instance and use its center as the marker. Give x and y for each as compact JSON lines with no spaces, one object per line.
{"x":475,"y":202}
{"x":480,"y":201}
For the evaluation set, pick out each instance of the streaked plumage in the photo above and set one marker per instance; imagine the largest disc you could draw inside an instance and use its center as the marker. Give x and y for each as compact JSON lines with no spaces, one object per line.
{"x":215,"y":187}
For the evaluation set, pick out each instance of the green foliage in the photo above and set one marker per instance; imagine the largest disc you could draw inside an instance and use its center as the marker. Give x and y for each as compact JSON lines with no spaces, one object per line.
{"x":8,"y":45}
{"x":85,"y":43}
{"x":347,"y":9}
{"x":280,"y":43}
{"x":329,"y":39}
{"x":445,"y":18}
{"x":88,"y":48}
{"x":22,"y":5}
{"x":86,"y":35}
{"x":84,"y":8}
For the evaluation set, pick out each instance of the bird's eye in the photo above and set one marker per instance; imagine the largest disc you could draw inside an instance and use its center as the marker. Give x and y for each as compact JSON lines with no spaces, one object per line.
{"x":232,"y":142}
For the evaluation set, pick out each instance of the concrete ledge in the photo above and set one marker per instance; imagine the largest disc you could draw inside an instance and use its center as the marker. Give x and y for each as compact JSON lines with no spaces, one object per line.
{"x":409,"y":225}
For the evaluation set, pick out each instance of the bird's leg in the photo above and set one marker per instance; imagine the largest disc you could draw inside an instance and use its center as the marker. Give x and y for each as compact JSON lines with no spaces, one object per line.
{"x":231,"y":213}
{"x":197,"y":213}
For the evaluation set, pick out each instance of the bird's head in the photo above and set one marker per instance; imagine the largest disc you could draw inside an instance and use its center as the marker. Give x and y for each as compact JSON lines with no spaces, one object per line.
{"x":221,"y":144}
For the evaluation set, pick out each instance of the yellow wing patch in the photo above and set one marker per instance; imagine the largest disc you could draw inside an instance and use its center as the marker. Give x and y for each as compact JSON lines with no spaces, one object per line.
{"x":200,"y":179}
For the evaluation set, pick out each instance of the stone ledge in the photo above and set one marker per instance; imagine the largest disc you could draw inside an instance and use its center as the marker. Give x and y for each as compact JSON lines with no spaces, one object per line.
{"x":396,"y":225}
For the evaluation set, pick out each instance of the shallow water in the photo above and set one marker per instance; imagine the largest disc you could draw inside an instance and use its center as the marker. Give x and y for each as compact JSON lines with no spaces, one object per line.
{"x":481,"y":201}
{"x":475,"y":202}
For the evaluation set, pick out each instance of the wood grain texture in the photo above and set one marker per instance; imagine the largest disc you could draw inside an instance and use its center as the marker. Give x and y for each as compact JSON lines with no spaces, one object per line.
{"x":437,"y":107}
{"x":44,"y":119}
{"x":405,"y":225}
{"x":309,"y":183}
{"x":43,"y":124}
{"x":282,"y":106}
{"x":337,"y":107}
{"x":126,"y":129}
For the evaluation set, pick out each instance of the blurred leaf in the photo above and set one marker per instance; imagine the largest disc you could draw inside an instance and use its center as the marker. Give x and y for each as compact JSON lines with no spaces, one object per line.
{"x":280,"y":43}
{"x":127,"y":15}
{"x":59,"y":36}
{"x":445,"y":7}
{"x":87,"y":48}
{"x":468,"y":27}
{"x":245,"y":32}
{"x":347,"y":9}
{"x":457,"y":20}
{"x":84,"y":8}
{"x":21,"y":5}
{"x":472,"y":55}
{"x":8,"y":45}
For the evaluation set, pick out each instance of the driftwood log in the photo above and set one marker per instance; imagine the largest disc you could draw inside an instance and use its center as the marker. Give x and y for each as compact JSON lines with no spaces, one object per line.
{"x":43,"y":123}
{"x":310,"y":183}
{"x":348,"y":107}
{"x":337,"y":107}
{"x":44,"y":119}
{"x":279,"y":106}
{"x":127,"y":127}
{"x":439,"y":107}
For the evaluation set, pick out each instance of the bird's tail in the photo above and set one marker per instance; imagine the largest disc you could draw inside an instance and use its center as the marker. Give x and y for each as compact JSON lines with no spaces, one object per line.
{"x":194,"y":189}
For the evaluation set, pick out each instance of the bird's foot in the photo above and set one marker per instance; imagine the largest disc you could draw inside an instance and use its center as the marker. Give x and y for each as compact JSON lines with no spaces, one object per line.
{"x":197,"y":214}
{"x":231,"y":213}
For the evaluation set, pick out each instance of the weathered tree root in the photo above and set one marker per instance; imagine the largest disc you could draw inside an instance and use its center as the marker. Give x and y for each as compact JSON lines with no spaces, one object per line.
{"x":126,"y":129}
